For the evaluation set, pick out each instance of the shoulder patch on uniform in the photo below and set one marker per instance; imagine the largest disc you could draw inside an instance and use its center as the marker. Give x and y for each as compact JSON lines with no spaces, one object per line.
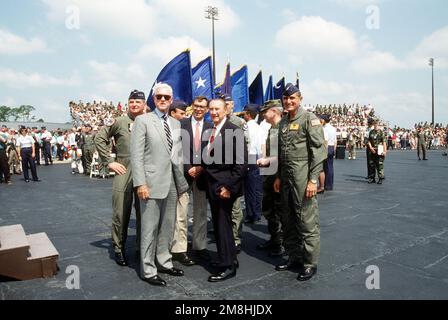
{"x":109,"y":122}
{"x":315,"y":122}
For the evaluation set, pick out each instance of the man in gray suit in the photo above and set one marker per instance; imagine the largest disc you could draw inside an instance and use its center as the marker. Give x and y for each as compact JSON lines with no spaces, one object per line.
{"x":157,"y":171}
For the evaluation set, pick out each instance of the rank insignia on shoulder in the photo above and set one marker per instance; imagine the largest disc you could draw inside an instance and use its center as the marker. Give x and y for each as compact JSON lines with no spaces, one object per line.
{"x":315,"y":122}
{"x":130,"y":125}
{"x":294,"y":127}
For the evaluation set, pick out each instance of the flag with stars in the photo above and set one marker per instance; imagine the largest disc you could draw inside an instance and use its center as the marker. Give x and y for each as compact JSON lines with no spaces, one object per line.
{"x":202,"y":79}
{"x":177,"y":73}
{"x":240,"y":89}
{"x":279,"y":88}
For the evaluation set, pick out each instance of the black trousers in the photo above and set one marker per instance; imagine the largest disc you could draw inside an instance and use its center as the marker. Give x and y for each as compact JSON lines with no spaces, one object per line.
{"x":28,"y":163}
{"x":222,"y":225}
{"x":37,"y":152}
{"x":47,"y":152}
{"x":4,"y":167}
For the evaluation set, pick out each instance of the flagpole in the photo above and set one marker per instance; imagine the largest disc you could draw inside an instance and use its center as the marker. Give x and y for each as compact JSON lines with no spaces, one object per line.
{"x":212,"y":14}
{"x":431,"y":63}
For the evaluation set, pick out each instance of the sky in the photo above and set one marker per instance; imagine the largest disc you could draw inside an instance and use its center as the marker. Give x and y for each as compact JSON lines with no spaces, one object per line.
{"x":345,"y":51}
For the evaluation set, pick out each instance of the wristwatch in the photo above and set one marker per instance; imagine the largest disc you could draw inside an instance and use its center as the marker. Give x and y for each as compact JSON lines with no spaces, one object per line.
{"x":313,"y":181}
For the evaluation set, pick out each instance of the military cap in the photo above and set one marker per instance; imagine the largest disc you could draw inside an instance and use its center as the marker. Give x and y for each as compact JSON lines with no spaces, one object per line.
{"x":252,"y":107}
{"x":178,"y":104}
{"x":44,"y":128}
{"x":136,"y":94}
{"x":325,"y":117}
{"x":290,"y":89}
{"x":271,"y":104}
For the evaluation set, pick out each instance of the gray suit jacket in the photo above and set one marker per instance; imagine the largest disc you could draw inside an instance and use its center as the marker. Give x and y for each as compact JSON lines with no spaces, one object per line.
{"x":151,"y":161}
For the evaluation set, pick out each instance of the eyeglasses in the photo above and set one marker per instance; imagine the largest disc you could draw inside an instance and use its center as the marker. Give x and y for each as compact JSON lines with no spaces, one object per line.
{"x":160,"y":96}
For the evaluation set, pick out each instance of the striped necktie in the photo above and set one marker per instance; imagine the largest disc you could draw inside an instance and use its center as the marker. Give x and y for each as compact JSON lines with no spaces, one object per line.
{"x":167,"y":132}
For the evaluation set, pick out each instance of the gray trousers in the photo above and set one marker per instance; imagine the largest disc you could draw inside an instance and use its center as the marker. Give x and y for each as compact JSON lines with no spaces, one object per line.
{"x":158,"y":219}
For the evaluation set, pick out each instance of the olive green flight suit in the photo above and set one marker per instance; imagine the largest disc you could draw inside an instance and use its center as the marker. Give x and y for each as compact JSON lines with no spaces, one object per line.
{"x":301,"y":154}
{"x":123,"y":190}
{"x":89,"y":150}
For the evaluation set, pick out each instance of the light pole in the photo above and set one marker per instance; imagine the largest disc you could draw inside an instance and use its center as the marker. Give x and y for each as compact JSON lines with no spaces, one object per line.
{"x":431,"y":63}
{"x":213,"y":13}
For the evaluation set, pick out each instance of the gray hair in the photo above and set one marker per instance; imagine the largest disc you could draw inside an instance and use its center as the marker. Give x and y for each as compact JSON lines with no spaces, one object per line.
{"x":160,"y":86}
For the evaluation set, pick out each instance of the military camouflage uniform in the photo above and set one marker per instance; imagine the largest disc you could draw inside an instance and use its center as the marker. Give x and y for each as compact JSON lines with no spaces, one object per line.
{"x":301,"y":154}
{"x":89,"y":150}
{"x":376,"y":162}
{"x":123,"y":191}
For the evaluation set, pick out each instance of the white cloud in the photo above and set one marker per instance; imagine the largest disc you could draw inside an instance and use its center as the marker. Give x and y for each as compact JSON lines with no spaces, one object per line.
{"x":17,"y":79}
{"x":166,"y":49}
{"x":12,"y":44}
{"x":377,"y":62}
{"x":433,"y":46}
{"x":190,"y":15}
{"x":317,"y":37}
{"x":132,"y":18}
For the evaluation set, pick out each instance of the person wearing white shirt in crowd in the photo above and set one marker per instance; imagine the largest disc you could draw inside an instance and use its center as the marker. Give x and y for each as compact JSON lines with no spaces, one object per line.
{"x":46,"y":145}
{"x":60,"y":145}
{"x":253,"y":183}
{"x":330,"y":140}
{"x":25,"y":144}
{"x":4,"y":167}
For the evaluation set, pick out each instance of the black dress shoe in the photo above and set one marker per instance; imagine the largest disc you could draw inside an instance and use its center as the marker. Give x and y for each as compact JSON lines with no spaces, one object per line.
{"x":37,"y":180}
{"x":183,"y":258}
{"x":26,"y":180}
{"x":203,"y":254}
{"x":289,"y":266}
{"x":224,"y":275}
{"x":371,"y":181}
{"x":156,"y":281}
{"x":307,"y":274}
{"x":172,"y":272}
{"x":120,"y":259}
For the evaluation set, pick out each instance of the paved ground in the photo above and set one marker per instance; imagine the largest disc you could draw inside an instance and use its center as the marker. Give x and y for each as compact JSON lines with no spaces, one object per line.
{"x":401,"y":227}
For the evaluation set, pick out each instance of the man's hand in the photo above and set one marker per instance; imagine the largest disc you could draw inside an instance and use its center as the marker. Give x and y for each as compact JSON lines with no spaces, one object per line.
{"x":118,"y":168}
{"x":224,"y":193}
{"x":143,"y":192}
{"x":373,"y":151}
{"x":277,"y":185}
{"x":263,"y":162}
{"x":311,"y":189}
{"x":195,"y":172}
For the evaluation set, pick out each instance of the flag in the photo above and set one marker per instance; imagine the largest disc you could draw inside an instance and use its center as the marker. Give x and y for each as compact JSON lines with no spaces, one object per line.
{"x":177,"y":73}
{"x":240,"y":90}
{"x":297,"y":80}
{"x":224,"y":87}
{"x":279,"y":88}
{"x":269,"y":93}
{"x":202,"y":79}
{"x":256,"y":90}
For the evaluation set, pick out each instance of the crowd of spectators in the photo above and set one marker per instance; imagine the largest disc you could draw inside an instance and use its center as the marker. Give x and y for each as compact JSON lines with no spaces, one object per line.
{"x":95,"y":113}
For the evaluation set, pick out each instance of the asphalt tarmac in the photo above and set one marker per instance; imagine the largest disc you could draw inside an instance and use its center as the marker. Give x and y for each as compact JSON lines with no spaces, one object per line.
{"x":398,"y":229}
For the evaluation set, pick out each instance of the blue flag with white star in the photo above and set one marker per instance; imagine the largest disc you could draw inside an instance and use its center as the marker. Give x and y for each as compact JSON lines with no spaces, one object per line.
{"x":177,"y":73}
{"x":240,"y":89}
{"x":202,"y":79}
{"x":279,"y":88}
{"x":269,"y":93}
{"x":256,"y":94}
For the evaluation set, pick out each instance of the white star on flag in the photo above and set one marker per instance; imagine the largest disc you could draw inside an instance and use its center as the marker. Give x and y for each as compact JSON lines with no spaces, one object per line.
{"x":200,"y":82}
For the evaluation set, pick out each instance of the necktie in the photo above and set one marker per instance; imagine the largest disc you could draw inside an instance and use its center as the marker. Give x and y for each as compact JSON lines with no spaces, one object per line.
{"x":197,"y":137}
{"x":167,"y":132}
{"x":212,"y":138}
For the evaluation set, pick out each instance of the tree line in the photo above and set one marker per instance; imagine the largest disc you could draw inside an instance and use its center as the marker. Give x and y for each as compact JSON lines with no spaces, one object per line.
{"x":22,"y":113}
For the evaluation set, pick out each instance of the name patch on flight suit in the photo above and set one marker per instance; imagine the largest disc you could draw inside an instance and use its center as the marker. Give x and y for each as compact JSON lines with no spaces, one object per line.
{"x":294,"y":127}
{"x":315,"y":122}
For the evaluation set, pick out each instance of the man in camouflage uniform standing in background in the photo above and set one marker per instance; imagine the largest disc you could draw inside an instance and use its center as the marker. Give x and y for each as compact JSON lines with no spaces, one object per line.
{"x":89,"y":148}
{"x":302,"y":152}
{"x":376,"y":142}
{"x":123,"y":189}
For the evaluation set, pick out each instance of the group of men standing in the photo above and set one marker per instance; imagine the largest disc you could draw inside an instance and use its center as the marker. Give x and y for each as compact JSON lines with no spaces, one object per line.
{"x":161,"y":162}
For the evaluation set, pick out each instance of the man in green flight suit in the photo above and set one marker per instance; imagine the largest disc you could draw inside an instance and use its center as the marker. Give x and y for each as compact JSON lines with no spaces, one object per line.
{"x":272,"y":112}
{"x":378,"y":149}
{"x":301,"y":153}
{"x":89,"y":148}
{"x":421,"y":143}
{"x":123,"y":190}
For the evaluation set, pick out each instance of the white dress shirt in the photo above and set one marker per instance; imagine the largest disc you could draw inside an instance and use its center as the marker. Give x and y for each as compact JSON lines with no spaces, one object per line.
{"x":25,"y":141}
{"x":255,"y":138}
{"x":330,"y":134}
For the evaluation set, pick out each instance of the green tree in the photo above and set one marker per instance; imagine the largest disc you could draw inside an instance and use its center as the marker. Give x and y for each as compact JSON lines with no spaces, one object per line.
{"x":5,"y":113}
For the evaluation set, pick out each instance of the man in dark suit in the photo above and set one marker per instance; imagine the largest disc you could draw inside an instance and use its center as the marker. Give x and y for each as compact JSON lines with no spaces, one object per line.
{"x":192,"y":146}
{"x":225,"y":164}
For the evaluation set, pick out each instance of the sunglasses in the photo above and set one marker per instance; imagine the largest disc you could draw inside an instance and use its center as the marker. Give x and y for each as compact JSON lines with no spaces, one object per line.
{"x":160,"y":96}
